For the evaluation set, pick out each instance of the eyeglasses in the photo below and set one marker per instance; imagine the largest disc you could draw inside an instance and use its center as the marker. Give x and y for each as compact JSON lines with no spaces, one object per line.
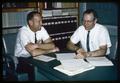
{"x":88,"y":21}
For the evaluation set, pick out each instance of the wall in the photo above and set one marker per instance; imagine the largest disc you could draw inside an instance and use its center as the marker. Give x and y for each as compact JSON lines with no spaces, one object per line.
{"x":107,"y":12}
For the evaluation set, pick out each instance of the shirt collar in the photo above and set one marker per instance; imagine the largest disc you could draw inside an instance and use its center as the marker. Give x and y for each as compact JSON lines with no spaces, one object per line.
{"x":28,"y":28}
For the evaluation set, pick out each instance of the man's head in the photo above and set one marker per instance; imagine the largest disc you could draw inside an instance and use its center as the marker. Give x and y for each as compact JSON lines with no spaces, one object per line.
{"x":34,"y":20}
{"x":89,"y":19}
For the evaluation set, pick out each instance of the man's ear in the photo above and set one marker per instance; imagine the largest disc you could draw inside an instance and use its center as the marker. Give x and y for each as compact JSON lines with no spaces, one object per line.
{"x":95,"y":20}
{"x":30,"y":22}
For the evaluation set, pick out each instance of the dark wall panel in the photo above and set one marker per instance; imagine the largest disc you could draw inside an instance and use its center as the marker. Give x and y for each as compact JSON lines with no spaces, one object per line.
{"x":107,"y":12}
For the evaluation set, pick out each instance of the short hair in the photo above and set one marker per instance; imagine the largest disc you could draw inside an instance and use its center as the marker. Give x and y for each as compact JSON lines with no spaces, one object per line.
{"x":88,"y":11}
{"x":31,"y":15}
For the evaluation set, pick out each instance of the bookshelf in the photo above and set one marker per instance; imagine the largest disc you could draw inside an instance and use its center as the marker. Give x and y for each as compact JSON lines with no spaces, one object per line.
{"x":60,"y":19}
{"x":14,"y":14}
{"x":17,"y":7}
{"x":21,"y":6}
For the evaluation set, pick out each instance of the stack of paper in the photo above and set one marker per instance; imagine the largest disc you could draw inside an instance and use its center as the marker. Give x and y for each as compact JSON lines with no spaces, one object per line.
{"x":74,"y":66}
{"x":44,"y":58}
{"x":65,"y":56}
{"x":99,"y":61}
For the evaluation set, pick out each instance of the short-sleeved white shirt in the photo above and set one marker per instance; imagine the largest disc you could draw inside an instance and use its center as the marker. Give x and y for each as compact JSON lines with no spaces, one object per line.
{"x":98,"y":36}
{"x":25,"y":36}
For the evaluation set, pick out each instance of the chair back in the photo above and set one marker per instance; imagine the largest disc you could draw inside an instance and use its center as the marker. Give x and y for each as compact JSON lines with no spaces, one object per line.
{"x":9,"y":41}
{"x":114,"y":41}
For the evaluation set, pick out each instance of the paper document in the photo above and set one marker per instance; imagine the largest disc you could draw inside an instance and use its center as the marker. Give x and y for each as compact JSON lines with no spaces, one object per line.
{"x":99,"y":61}
{"x":44,"y":58}
{"x":65,"y":56}
{"x":74,"y":66}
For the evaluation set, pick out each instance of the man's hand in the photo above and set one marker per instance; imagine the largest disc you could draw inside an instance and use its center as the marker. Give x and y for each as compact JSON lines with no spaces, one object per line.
{"x":31,"y":46}
{"x":81,"y":54}
{"x":80,"y":50}
{"x":56,"y":49}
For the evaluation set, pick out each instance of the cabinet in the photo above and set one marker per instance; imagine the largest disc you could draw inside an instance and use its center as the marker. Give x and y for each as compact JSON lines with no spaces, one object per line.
{"x":60,"y":29}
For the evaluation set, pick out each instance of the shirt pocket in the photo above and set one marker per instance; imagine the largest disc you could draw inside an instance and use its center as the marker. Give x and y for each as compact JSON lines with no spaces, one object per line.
{"x":94,"y":45}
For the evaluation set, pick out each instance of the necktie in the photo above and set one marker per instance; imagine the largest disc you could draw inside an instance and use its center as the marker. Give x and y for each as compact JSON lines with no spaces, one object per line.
{"x":87,"y":44}
{"x":35,"y":38}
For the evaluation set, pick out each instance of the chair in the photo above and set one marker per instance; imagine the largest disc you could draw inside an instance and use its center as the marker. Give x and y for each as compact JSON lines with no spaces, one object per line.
{"x":114,"y":41}
{"x":9,"y":60}
{"x":8,"y":67}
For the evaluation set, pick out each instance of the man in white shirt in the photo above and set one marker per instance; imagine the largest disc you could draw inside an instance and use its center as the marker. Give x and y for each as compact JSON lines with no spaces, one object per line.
{"x":32,"y":40}
{"x":93,"y":37}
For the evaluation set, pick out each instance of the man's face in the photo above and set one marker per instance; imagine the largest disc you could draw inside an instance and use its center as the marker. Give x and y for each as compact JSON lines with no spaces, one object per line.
{"x":36,"y":22}
{"x":88,"y":21}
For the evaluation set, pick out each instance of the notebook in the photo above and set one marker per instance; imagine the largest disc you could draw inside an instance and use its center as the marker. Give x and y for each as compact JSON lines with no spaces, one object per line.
{"x":44,"y":58}
{"x":74,"y":66}
{"x":99,"y":61}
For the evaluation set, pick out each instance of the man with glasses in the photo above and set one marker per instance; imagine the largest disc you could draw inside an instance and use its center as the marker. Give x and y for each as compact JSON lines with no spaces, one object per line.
{"x":93,"y":37}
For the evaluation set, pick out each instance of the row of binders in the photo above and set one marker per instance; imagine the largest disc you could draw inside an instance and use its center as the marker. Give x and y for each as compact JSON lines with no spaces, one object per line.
{"x":59,"y":22}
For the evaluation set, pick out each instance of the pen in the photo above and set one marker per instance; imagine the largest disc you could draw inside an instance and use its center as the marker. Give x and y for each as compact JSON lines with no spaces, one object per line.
{"x":85,"y":60}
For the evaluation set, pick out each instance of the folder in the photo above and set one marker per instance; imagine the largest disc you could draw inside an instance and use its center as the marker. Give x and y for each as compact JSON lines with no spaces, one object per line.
{"x":99,"y":61}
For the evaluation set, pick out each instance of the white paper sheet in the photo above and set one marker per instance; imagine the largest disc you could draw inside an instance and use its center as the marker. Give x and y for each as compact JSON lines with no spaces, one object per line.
{"x":44,"y":58}
{"x":74,"y":66}
{"x":65,"y":56}
{"x":99,"y":61}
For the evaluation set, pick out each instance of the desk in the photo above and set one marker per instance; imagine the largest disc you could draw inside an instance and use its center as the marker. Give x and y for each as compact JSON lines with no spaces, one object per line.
{"x":99,"y":73}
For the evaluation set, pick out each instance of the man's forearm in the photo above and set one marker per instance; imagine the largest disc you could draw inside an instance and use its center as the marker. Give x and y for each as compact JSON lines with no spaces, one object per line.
{"x":73,"y":48}
{"x":46,"y":46}
{"x":39,"y":51}
{"x":31,"y":46}
{"x":100,"y":52}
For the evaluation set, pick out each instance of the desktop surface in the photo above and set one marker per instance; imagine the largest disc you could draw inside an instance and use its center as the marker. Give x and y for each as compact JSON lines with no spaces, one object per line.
{"x":99,"y":73}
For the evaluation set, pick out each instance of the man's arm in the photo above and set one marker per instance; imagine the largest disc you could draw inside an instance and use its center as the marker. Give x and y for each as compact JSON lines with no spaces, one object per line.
{"x":38,"y":49}
{"x":31,"y":46}
{"x":100,"y":52}
{"x":97,"y":53}
{"x":46,"y":45}
{"x":72,"y":46}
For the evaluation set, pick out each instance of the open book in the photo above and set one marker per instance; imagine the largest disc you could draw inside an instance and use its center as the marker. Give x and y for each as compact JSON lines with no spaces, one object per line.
{"x":71,"y":66}
{"x":74,"y":66}
{"x":96,"y":61}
